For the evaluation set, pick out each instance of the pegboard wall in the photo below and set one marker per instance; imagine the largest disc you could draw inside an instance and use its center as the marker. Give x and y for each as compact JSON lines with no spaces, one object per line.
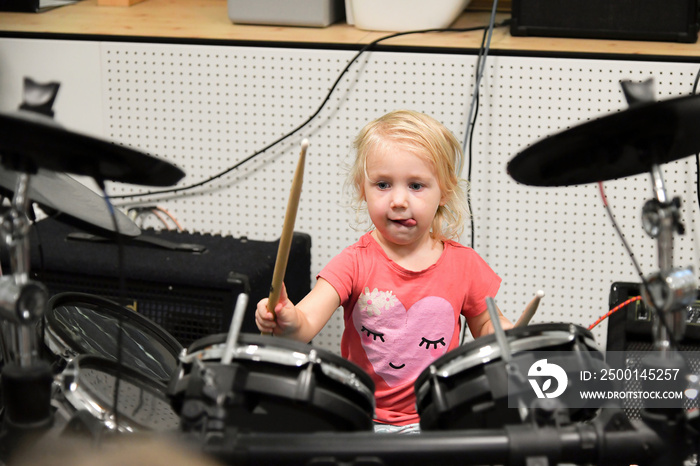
{"x":205,"y":108}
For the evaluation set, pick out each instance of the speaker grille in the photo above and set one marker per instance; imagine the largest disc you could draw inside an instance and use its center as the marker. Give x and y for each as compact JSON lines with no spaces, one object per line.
{"x":630,"y":331}
{"x":186,"y":313}
{"x":663,"y":20}
{"x":190,"y":292}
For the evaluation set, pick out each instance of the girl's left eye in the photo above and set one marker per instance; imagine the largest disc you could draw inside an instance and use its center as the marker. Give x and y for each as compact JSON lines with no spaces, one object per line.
{"x":415,"y":186}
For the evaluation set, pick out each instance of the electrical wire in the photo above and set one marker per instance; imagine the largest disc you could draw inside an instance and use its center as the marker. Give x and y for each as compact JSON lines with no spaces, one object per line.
{"x":474,"y":110}
{"x":614,"y":310}
{"x":122,"y":293}
{"x":157,"y":215}
{"x":645,"y":283}
{"x":697,"y":155}
{"x":617,"y":229}
{"x":170,"y":216}
{"x":470,"y":158}
{"x":303,"y":124}
{"x":137,"y":212}
{"x":143,"y":211}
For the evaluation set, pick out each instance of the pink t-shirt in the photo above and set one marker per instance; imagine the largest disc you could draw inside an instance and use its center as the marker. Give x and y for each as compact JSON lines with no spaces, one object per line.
{"x":398,"y":321}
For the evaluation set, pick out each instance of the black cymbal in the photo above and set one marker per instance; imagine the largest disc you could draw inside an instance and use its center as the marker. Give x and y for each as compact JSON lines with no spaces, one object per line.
{"x":622,"y":144}
{"x":29,"y":141}
{"x":57,"y":191}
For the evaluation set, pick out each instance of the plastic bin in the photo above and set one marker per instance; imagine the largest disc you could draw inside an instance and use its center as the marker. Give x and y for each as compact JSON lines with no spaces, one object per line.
{"x":403,"y":15}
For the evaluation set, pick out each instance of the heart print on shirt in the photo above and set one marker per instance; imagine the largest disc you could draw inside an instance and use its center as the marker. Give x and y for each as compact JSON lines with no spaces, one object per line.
{"x":401,"y":343}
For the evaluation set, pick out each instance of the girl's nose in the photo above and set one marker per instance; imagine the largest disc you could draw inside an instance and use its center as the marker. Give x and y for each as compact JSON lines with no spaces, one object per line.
{"x":399,"y":199}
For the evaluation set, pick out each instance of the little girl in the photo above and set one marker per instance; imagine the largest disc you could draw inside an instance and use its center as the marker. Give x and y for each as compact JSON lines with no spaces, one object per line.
{"x":404,"y":284}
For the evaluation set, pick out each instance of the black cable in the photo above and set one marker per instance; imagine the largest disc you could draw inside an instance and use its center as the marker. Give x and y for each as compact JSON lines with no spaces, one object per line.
{"x":645,"y":283}
{"x":470,"y":137}
{"x":474,"y":109}
{"x":619,"y":232}
{"x":122,"y":294}
{"x":697,"y":155}
{"x":302,"y":125}
{"x":469,"y":172}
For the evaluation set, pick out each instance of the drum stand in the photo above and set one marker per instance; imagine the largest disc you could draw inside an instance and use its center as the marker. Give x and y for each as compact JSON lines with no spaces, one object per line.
{"x":671,"y":290}
{"x":668,"y":293}
{"x":217,"y":382}
{"x":664,"y":436}
{"x":668,"y":434}
{"x":26,"y":380}
{"x":30,"y":143}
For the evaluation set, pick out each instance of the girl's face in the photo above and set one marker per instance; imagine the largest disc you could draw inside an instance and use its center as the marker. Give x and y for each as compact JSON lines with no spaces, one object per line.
{"x":402,"y":194}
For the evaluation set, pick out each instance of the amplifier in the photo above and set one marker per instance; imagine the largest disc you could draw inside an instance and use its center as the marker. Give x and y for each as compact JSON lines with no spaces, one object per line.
{"x":187,"y":283}
{"x":630,"y":333}
{"x":632,"y":325}
{"x":658,"y":20}
{"x":25,"y":6}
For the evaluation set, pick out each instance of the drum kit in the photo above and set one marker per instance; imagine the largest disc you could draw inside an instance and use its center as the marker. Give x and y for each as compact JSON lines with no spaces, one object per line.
{"x":79,"y":363}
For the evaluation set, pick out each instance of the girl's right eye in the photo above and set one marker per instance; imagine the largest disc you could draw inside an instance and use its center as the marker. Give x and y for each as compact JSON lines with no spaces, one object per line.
{"x":382,"y":185}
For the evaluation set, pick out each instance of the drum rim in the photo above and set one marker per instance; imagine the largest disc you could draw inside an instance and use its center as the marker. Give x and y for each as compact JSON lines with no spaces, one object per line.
{"x":517,"y":332}
{"x":512,"y":335}
{"x":113,"y":309}
{"x":79,"y":398}
{"x":249,"y":339}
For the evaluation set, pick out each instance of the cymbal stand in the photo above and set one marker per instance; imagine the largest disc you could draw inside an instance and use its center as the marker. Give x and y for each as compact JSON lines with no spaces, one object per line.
{"x":671,"y":290}
{"x":21,"y":300}
{"x":668,"y":293}
{"x":26,"y":380}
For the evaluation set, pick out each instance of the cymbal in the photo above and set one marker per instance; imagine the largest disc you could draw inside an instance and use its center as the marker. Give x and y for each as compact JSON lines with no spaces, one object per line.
{"x":622,"y":144}
{"x":58,"y":191}
{"x":29,"y":141}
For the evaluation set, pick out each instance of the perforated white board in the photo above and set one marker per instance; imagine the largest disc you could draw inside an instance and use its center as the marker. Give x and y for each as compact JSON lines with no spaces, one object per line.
{"x":205,"y":108}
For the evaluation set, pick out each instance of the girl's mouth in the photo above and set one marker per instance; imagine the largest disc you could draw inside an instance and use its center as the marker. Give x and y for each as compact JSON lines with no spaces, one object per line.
{"x":407,"y":222}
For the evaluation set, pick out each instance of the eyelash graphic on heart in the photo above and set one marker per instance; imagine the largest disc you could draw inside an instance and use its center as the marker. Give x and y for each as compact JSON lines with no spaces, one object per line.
{"x":400,"y":343}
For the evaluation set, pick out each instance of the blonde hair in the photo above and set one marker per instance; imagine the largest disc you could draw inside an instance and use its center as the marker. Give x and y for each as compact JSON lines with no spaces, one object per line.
{"x":429,"y":139}
{"x":138,"y":449}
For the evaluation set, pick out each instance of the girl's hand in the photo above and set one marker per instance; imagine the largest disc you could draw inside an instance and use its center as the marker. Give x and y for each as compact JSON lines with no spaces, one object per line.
{"x":488,"y":328}
{"x":284,"y":319}
{"x":481,"y":324}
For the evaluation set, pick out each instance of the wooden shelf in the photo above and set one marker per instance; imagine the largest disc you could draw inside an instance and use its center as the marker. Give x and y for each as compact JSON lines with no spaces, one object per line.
{"x":118,"y":2}
{"x":208,"y":20}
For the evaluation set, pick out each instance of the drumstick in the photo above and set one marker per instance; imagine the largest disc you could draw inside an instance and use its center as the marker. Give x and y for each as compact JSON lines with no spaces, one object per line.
{"x":287,"y":231}
{"x":530,"y":310}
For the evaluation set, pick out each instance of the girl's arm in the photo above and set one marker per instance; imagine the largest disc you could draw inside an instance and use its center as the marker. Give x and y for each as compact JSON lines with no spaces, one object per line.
{"x":481,"y":324}
{"x":303,"y":321}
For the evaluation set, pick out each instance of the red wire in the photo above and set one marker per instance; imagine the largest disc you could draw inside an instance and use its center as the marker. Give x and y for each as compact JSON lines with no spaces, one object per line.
{"x":602,"y":193}
{"x":615,"y":309}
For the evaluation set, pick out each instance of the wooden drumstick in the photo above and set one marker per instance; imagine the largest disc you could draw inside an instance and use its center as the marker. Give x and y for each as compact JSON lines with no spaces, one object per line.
{"x":530,"y":310}
{"x":287,"y":232}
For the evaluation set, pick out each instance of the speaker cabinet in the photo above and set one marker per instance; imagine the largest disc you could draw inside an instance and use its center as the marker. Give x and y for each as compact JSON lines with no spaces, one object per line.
{"x":630,"y":328}
{"x":25,"y":6}
{"x":630,"y":334}
{"x":658,"y":20}
{"x":188,"y":283}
